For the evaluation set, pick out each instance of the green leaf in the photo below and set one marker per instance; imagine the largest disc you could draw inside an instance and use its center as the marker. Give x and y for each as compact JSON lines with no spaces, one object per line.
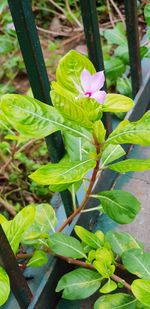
{"x":122,"y":52}
{"x":147,"y":13}
{"x":99,"y":131}
{"x":69,"y":69}
{"x":108,"y":287}
{"x":114,"y":68}
{"x":119,"y":205}
{"x":124,"y":86}
{"x":120,"y":300}
{"x":44,"y":221}
{"x":92,"y":108}
{"x":87,"y":237}
{"x":131,"y":165}
{"x":137,"y":262}
{"x":79,"y":284}
{"x":121,"y":241}
{"x":6,"y":45}
{"x":34,"y":119}
{"x":117,"y":103}
{"x":111,"y":153}
{"x":137,"y":132}
{"x":15,"y":228}
{"x":78,"y":148}
{"x":4,"y":286}
{"x":2,"y":219}
{"x":39,"y":258}
{"x":141,"y":290}
{"x":103,"y":263}
{"x":68,"y":107}
{"x":115,"y":36}
{"x":66,"y":245}
{"x":58,"y":173}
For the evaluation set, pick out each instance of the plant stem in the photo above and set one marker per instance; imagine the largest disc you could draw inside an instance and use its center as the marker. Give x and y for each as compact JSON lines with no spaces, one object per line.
{"x":89,"y":266}
{"x":88,"y":193}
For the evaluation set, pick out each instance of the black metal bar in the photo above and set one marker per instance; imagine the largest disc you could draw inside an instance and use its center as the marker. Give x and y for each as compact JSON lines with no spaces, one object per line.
{"x":91,"y":29}
{"x":133,"y":43}
{"x":18,"y":283}
{"x":31,"y":50}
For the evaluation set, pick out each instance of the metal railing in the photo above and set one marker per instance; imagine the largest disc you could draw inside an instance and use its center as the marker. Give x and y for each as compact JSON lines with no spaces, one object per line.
{"x":23,"y":19}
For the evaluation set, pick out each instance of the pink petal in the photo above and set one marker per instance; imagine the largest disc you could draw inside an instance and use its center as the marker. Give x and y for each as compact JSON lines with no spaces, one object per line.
{"x":99,"y":96}
{"x":85,"y":79}
{"x":97,"y":81}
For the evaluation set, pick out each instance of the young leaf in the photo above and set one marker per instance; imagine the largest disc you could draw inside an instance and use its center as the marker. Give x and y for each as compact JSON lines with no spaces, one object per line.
{"x":137,"y":262}
{"x":137,"y":132}
{"x":119,"y":205}
{"x":99,"y":131}
{"x":39,"y":258}
{"x":147,"y":13}
{"x":34,"y":119}
{"x":68,"y":108}
{"x":44,"y":221}
{"x":108,"y":287}
{"x":79,"y":284}
{"x":131,"y":165}
{"x":91,"y":107}
{"x":62,"y":173}
{"x":120,"y":300}
{"x":87,"y":237}
{"x":103,"y":262}
{"x":69,"y":70}
{"x":4,"y":286}
{"x":115,"y":36}
{"x":15,"y":228}
{"x":117,"y":103}
{"x":66,"y":245}
{"x":111,"y":153}
{"x":141,"y":290}
{"x":121,"y":241}
{"x":2,"y":219}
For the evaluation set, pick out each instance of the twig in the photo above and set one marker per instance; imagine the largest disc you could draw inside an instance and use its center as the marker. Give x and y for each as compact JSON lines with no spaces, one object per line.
{"x":22,"y":148}
{"x":23,"y":255}
{"x":58,"y":7}
{"x":52,"y":32}
{"x":120,"y":280}
{"x":73,"y":38}
{"x":110,"y":14}
{"x":88,"y":193}
{"x":72,"y":15}
{"x":119,"y":13}
{"x":8,"y":207}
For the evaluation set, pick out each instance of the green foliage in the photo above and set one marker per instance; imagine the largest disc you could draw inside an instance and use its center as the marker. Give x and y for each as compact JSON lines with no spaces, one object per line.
{"x":39,"y":258}
{"x":79,"y":284}
{"x":137,"y":262}
{"x":86,"y":148}
{"x":121,"y":242}
{"x":4,"y":286}
{"x":119,"y":205}
{"x":62,"y":173}
{"x":116,"y":301}
{"x":135,"y":132}
{"x":141,"y":290}
{"x":66,"y":245}
{"x":131,"y":165}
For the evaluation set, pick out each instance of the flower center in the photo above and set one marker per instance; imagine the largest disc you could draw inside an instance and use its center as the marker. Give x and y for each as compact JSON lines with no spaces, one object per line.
{"x":88,"y":94}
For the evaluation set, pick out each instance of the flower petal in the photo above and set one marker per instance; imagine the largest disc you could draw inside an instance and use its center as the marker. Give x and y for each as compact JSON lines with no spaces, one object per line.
{"x":97,"y":81}
{"x":85,"y":79}
{"x":99,"y":96}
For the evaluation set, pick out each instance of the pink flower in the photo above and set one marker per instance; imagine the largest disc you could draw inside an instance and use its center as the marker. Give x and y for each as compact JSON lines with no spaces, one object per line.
{"x":90,"y":85}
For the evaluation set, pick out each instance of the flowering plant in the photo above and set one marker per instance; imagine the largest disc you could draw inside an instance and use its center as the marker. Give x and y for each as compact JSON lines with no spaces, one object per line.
{"x":78,"y":106}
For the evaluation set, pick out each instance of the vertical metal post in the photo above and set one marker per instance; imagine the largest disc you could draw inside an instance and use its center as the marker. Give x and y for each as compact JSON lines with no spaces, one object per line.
{"x":31,"y":50}
{"x":91,"y":29}
{"x":133,"y":43}
{"x":18,"y":283}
